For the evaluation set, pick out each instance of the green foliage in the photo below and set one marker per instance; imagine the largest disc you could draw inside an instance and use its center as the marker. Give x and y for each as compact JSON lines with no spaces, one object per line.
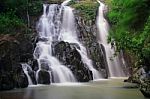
{"x":17,"y":6}
{"x":10,"y":23}
{"x":20,"y":7}
{"x":14,"y":14}
{"x":72,"y":2}
{"x":87,"y":9}
{"x":129,"y":13}
{"x":130,"y":20}
{"x":146,"y":48}
{"x":35,"y":7}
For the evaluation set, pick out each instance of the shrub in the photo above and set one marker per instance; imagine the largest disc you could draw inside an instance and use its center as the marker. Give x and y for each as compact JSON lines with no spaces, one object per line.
{"x":10,"y":23}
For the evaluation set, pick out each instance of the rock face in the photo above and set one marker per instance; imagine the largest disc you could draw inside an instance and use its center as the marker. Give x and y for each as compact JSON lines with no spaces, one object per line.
{"x":44,"y":77}
{"x":14,"y":49}
{"x":145,"y":86}
{"x":141,"y":77}
{"x":87,"y":34}
{"x":70,"y":57}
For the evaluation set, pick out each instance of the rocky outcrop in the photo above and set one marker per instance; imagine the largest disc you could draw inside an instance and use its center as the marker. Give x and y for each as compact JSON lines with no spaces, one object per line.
{"x":87,"y":34}
{"x":14,"y":49}
{"x":70,"y":57}
{"x":145,"y":86}
{"x":141,"y":77}
{"x":44,"y":77}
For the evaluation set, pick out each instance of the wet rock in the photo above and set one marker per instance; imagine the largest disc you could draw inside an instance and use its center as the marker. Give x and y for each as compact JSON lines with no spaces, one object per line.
{"x":13,"y":79}
{"x":141,"y":77}
{"x":32,"y":74}
{"x":87,"y":34}
{"x":71,"y":58}
{"x":35,"y":65}
{"x":145,"y":86}
{"x":45,"y":64}
{"x":14,"y":49}
{"x":42,"y":39}
{"x":20,"y":79}
{"x":145,"y":93}
{"x":44,"y":77}
{"x":6,"y":81}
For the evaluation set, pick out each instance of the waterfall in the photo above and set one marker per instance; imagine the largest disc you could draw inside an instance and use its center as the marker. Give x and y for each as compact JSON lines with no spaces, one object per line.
{"x":65,"y":2}
{"x":25,"y":68}
{"x":114,"y":63}
{"x":48,"y":28}
{"x":69,"y":34}
{"x":57,"y":24}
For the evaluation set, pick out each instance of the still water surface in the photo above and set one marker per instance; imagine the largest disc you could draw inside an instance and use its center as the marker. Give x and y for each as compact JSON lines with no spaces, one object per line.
{"x":103,"y":89}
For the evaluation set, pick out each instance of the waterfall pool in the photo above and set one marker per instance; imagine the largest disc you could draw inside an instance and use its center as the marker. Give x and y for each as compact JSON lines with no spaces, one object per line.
{"x":100,"y":89}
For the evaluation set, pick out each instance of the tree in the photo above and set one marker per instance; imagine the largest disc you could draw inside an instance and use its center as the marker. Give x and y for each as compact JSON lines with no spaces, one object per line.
{"x":130,"y":21}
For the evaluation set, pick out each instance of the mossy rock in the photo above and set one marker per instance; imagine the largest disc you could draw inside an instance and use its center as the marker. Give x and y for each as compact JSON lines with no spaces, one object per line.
{"x":86,"y":8}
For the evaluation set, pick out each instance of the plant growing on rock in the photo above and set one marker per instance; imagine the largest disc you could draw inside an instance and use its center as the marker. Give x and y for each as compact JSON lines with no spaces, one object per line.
{"x":86,"y":8}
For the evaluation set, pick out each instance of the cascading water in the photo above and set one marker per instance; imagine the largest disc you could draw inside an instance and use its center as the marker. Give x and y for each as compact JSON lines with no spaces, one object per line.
{"x":65,"y":2}
{"x":25,"y":68}
{"x":68,"y":34}
{"x":114,"y":63}
{"x":48,"y":28}
{"x":53,"y":27}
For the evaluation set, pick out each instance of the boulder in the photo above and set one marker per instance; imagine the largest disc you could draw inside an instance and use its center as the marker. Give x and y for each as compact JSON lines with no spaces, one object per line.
{"x":14,"y":49}
{"x":44,"y":77}
{"x":35,"y":65}
{"x":70,"y":57}
{"x":145,"y":87}
{"x":20,"y":79}
{"x":6,"y":81}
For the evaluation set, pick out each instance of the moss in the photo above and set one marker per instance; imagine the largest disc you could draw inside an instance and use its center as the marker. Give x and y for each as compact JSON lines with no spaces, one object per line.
{"x":86,"y":8}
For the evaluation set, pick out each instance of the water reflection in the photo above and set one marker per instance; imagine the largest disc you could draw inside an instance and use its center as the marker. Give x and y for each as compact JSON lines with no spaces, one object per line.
{"x":27,"y":94}
{"x":103,"y":89}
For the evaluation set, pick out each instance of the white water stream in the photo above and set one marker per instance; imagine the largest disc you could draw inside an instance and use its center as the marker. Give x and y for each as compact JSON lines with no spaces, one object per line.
{"x":68,"y":34}
{"x":114,"y":63}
